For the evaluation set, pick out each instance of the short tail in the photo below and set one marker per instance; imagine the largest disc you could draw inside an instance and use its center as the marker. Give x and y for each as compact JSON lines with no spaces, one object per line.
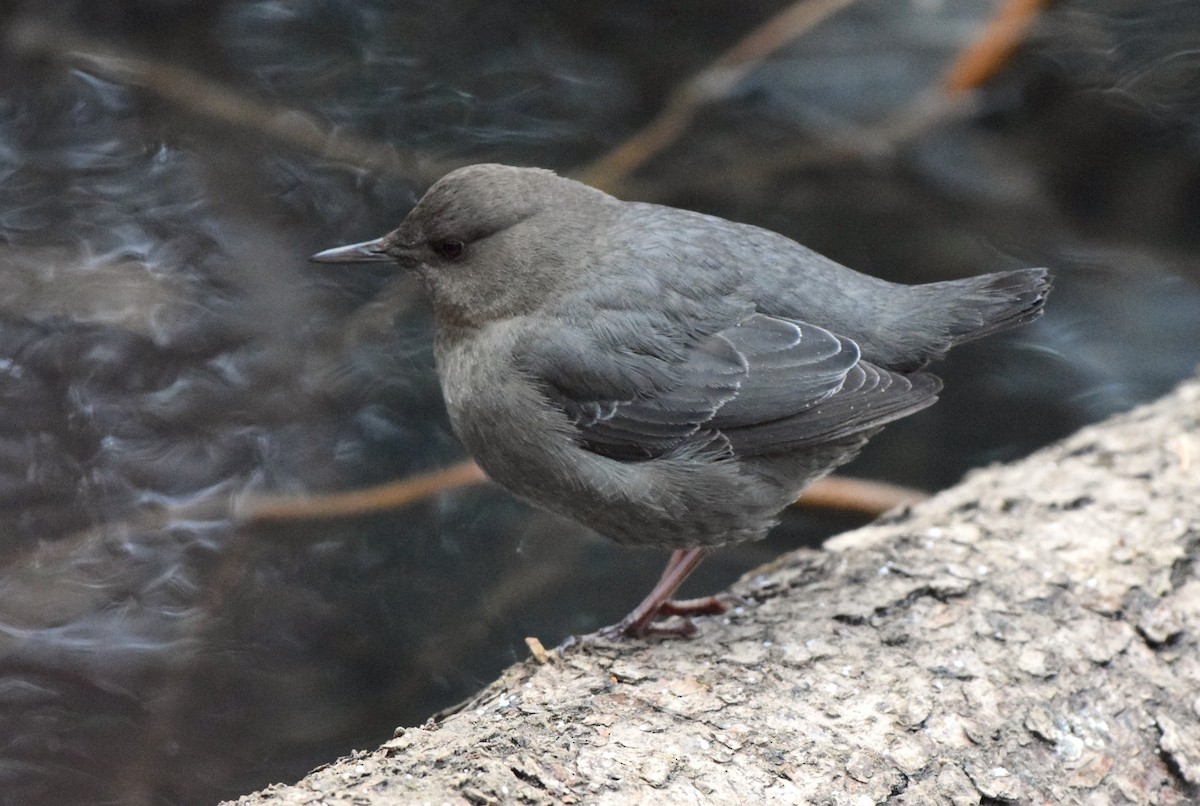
{"x":974,"y":307}
{"x":995,"y":302}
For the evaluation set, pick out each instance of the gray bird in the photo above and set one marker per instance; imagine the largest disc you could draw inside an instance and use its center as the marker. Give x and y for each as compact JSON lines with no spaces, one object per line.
{"x":663,"y":377}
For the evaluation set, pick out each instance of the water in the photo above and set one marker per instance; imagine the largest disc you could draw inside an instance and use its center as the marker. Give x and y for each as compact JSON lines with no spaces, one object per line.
{"x":164,"y":343}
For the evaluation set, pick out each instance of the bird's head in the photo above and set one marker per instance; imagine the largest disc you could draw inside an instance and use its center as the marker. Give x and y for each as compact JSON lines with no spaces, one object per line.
{"x":491,"y":240}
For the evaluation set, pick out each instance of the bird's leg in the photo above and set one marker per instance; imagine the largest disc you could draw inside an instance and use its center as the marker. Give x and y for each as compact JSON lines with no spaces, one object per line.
{"x":639,"y":622}
{"x":676,"y":556}
{"x":701,"y":606}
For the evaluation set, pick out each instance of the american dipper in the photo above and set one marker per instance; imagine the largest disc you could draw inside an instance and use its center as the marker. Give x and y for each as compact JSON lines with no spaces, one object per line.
{"x":664,"y":377}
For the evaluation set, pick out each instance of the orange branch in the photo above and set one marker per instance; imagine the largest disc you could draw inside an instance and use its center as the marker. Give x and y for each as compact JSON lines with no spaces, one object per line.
{"x":394,"y":495}
{"x":979,"y":63}
{"x":857,"y":495}
{"x":709,"y":84}
{"x":852,"y":495}
{"x":202,"y":96}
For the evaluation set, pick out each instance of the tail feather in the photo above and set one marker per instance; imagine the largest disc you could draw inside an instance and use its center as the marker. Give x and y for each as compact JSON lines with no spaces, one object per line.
{"x":975,"y":307}
{"x":1002,"y":300}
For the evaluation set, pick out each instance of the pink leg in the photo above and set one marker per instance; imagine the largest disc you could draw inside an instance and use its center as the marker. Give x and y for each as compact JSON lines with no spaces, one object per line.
{"x":682,"y":563}
{"x":676,"y":556}
{"x":702,"y":606}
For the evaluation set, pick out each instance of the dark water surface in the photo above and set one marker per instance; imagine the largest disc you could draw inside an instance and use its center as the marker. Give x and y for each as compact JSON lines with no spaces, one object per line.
{"x":163,"y":339}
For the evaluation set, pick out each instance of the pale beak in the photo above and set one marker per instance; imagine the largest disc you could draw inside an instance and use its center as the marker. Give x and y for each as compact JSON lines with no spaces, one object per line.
{"x":365,"y":252}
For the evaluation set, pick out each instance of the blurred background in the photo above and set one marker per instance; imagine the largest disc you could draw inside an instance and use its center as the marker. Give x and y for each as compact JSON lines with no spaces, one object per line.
{"x":166,"y":167}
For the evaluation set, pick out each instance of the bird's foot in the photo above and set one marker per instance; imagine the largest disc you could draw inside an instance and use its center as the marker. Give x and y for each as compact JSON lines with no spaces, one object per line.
{"x":672,"y":626}
{"x":715,"y":605}
{"x":673,"y":618}
{"x":660,"y":616}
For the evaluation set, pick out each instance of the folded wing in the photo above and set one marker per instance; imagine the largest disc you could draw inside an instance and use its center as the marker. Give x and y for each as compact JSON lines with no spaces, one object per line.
{"x":764,"y":386}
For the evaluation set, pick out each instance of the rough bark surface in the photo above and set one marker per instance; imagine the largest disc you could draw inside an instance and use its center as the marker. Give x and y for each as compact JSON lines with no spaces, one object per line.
{"x":1029,"y":636}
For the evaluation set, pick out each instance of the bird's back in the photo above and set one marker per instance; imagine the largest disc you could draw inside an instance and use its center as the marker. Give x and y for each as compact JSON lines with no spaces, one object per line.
{"x":898,"y":327}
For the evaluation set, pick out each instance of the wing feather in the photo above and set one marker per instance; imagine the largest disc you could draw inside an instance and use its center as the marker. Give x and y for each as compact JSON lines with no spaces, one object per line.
{"x":765,"y":385}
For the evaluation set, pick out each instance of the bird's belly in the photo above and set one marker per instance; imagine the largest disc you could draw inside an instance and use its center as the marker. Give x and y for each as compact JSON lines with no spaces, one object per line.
{"x":500,"y":415}
{"x":527,"y":445}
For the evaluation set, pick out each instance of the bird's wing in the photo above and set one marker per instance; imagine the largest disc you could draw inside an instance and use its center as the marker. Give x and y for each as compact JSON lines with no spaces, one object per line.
{"x":806,"y":385}
{"x":764,"y":385}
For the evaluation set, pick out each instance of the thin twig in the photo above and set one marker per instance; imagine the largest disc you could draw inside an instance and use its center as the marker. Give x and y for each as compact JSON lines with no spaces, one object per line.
{"x":857,"y":495}
{"x":710,"y":84}
{"x":975,"y":65}
{"x":260,"y":509}
{"x":846,"y":494}
{"x":979,"y":63}
{"x":201,"y":96}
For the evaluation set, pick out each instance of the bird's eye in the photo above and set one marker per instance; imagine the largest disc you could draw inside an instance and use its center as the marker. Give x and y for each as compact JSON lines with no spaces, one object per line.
{"x":449,"y":249}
